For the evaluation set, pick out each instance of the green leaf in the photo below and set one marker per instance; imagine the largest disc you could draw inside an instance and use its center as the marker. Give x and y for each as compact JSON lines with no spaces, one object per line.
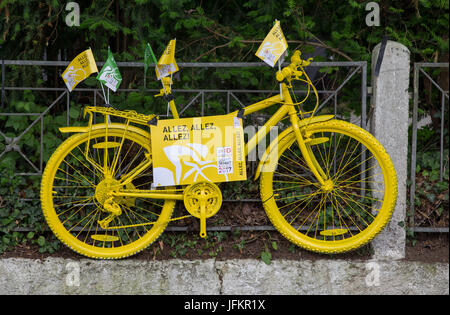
{"x":74,"y":112}
{"x":274,"y":245}
{"x":41,"y":241}
{"x":266,"y":257}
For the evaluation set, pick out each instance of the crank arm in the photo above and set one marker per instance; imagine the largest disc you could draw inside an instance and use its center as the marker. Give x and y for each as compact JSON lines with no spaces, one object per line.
{"x":202,"y":220}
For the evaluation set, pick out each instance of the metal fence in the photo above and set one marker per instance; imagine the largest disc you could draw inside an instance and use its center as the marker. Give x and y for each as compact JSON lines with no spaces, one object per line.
{"x":197,"y":97}
{"x":419,"y":69}
{"x":12,"y":143}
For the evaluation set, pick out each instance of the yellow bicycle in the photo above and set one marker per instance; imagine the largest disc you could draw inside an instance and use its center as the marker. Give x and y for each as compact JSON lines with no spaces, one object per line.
{"x":327,"y":185}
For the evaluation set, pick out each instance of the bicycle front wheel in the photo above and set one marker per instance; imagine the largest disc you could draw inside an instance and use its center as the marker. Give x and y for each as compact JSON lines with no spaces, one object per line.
{"x":353,"y":205}
{"x":76,"y":194}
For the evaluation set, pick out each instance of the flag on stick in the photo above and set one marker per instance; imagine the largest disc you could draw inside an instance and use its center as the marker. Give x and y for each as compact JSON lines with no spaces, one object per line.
{"x":110,"y":74}
{"x":273,"y":46}
{"x":167,"y":64}
{"x":149,"y":56}
{"x":79,"y":69}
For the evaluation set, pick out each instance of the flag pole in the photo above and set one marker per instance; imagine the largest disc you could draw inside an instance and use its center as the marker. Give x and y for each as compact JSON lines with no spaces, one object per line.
{"x":279,"y":70}
{"x":170,"y":89}
{"x":145,"y":79}
{"x":107,"y":91}
{"x":104,"y":96}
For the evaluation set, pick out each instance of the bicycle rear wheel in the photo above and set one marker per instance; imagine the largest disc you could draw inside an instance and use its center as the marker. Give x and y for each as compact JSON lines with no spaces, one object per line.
{"x":354,"y":204}
{"x":75,"y":193}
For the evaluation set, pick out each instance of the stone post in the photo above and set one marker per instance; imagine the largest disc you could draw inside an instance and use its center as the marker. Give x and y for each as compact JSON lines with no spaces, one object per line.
{"x":389,"y":124}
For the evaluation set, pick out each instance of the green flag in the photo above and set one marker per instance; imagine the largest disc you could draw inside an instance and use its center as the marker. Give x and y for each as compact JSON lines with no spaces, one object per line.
{"x":110,"y":75}
{"x":149,"y":56}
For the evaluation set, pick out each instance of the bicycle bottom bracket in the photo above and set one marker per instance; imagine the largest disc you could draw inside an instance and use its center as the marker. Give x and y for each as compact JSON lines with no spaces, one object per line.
{"x":202,"y":200}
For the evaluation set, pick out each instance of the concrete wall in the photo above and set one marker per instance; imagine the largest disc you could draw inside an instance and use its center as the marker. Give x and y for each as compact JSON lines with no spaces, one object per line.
{"x":212,"y":277}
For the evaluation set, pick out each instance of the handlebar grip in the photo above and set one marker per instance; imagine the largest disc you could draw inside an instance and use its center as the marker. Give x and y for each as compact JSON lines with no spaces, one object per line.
{"x":285,"y":73}
{"x":296,"y":61}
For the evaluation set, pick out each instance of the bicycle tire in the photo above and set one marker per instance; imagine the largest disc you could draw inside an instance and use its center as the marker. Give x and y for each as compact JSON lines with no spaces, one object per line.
{"x":68,"y":176}
{"x":375,"y":204}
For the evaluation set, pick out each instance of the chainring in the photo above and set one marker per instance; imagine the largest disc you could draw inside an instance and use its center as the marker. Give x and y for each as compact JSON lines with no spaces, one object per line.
{"x":207,"y":191}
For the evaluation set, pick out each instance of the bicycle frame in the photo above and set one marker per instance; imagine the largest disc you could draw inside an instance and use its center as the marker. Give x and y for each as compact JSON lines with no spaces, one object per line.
{"x":330,"y":210}
{"x":287,"y":108}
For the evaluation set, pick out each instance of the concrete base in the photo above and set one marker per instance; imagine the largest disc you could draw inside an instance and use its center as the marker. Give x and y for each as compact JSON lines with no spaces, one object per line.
{"x":211,"y":277}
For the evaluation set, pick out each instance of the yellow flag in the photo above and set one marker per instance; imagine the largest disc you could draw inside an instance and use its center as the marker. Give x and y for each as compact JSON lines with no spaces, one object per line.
{"x":79,"y":69}
{"x":273,"y":46}
{"x":166,"y":64}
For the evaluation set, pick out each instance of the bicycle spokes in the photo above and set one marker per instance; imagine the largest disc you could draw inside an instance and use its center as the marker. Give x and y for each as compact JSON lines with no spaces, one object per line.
{"x":345,"y":204}
{"x":83,"y":197}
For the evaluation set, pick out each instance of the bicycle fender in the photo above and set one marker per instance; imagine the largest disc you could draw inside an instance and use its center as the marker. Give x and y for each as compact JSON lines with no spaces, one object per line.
{"x":103,"y":126}
{"x":274,"y":144}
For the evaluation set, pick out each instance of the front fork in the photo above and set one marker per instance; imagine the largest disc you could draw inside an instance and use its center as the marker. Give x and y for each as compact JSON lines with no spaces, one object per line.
{"x":305,"y":149}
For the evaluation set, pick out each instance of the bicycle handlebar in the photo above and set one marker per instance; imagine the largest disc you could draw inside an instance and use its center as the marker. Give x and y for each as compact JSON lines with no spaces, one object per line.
{"x":296,"y":61}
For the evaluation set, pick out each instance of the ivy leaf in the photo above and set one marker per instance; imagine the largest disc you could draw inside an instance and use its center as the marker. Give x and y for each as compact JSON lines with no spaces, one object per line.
{"x":74,"y":112}
{"x":41,"y":241}
{"x":274,"y":245}
{"x":266,"y":257}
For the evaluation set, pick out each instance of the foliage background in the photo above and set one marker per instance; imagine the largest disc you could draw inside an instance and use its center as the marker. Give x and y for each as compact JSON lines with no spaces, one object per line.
{"x":213,"y":31}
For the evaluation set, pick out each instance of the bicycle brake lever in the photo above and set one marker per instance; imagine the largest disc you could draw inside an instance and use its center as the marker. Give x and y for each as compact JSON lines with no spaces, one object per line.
{"x":297,"y":74}
{"x":306,"y":63}
{"x":161,"y":93}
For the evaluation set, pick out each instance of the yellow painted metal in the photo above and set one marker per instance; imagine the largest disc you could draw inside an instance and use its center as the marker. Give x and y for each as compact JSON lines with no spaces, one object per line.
{"x":73,"y":129}
{"x":328,"y":185}
{"x":86,"y":129}
{"x":104,"y":237}
{"x":330,"y":190}
{"x":316,"y":141}
{"x":103,"y":189}
{"x":333,"y":232}
{"x":150,"y":194}
{"x":265,"y":163}
{"x":173,"y":109}
{"x":115,"y":196}
{"x":259,"y":105}
{"x":129,"y":115}
{"x":106,"y":145}
{"x":83,"y":243}
{"x":202,"y":200}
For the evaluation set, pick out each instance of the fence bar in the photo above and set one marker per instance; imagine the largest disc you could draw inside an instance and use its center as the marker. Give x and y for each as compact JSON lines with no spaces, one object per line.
{"x":183,"y":64}
{"x":364,"y":95}
{"x":414,"y":143}
{"x":434,"y":82}
{"x":3,"y":83}
{"x":337,"y":90}
{"x":441,"y":164}
{"x":430,"y":229}
{"x":444,"y":94}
